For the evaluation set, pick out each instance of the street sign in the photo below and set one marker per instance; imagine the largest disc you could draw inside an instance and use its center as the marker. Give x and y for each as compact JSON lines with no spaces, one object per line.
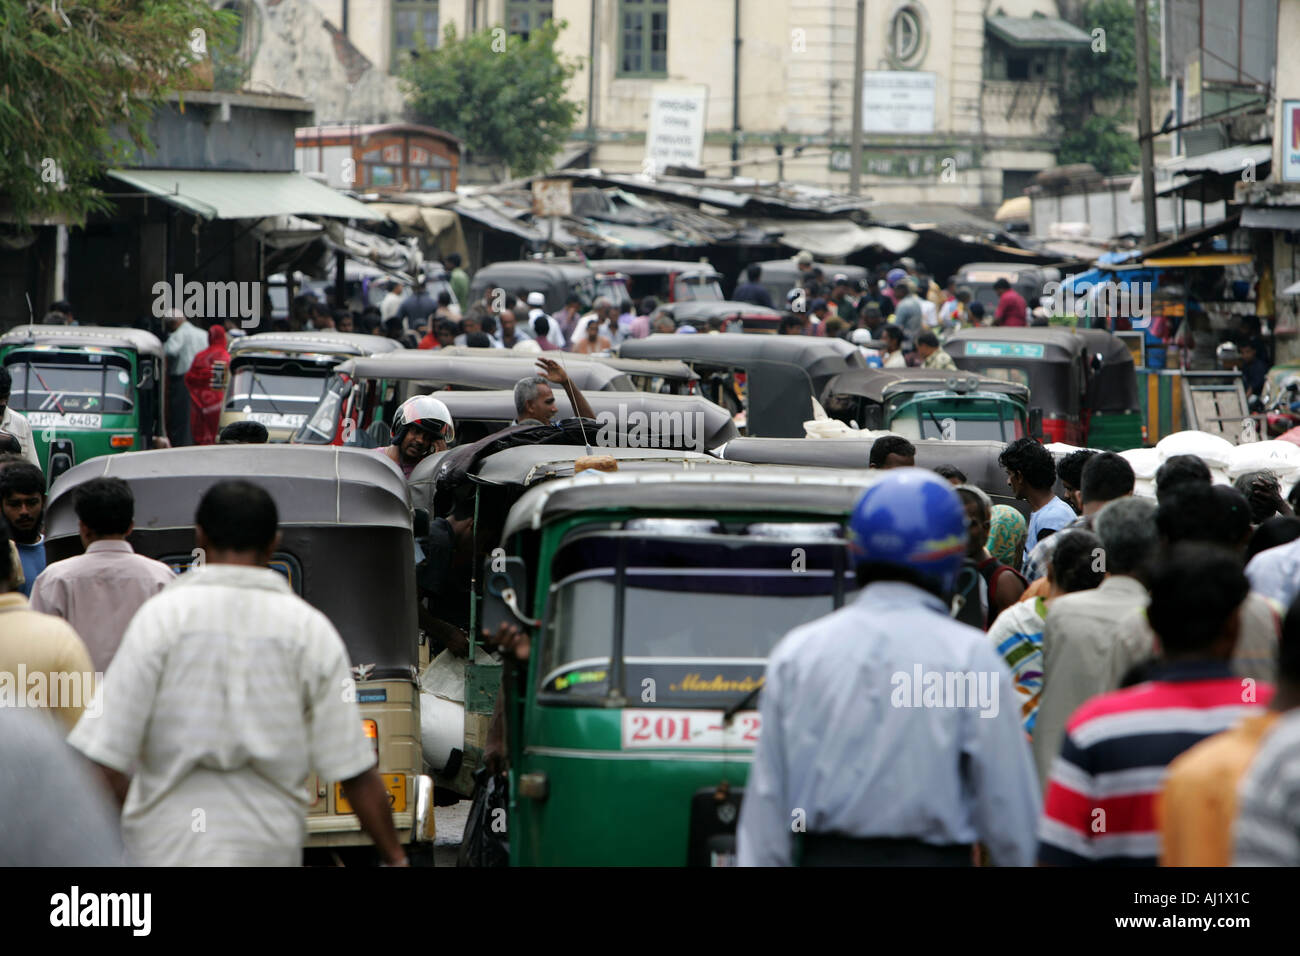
{"x":676,"y":135}
{"x":552,"y":197}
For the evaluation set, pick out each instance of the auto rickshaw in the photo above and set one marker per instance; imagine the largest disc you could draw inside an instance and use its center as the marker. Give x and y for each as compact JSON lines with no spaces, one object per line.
{"x":363,"y":393}
{"x":556,"y":279}
{"x":921,"y":402}
{"x":653,"y":599}
{"x":1072,"y":374}
{"x":668,"y":280}
{"x":977,"y":459}
{"x":347,"y":549}
{"x":702,"y":424}
{"x":769,"y":382}
{"x":1028,"y":281}
{"x":278,"y":378}
{"x":86,"y":390}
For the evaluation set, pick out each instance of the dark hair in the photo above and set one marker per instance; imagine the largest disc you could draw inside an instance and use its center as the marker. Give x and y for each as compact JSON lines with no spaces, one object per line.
{"x":444,"y":298}
{"x":1070,"y":468}
{"x":453,"y":260}
{"x":1178,"y":470}
{"x":1261,"y":508}
{"x":1273,"y":532}
{"x":892,"y":332}
{"x":572,"y":299}
{"x":753,"y":271}
{"x":338,"y":315}
{"x":1193,"y":594}
{"x":541,"y":325}
{"x":1074,"y":565}
{"x":648,"y":305}
{"x":1210,"y":514}
{"x":478,"y":340}
{"x":950,"y":472}
{"x":21,"y":479}
{"x":488,"y":324}
{"x":1106,"y":476}
{"x":977,"y":310}
{"x":247,"y":432}
{"x":238,"y":515}
{"x":928,"y":339}
{"x":791,"y":322}
{"x":888,"y":445}
{"x":6,"y":562}
{"x":393,"y":324}
{"x":6,"y":382}
{"x":1002,"y":284}
{"x":105,"y":505}
{"x":1032,"y":460}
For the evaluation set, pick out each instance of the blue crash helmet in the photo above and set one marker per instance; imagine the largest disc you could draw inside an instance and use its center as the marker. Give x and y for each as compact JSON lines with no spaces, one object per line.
{"x":912,"y":518}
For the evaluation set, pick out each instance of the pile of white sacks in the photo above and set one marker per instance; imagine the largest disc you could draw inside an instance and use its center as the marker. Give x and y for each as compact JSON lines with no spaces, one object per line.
{"x":1226,"y":461}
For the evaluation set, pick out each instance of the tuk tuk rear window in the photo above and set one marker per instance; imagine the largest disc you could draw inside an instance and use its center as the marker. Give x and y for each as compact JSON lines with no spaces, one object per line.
{"x":71,"y":381}
{"x":277,"y":388}
{"x":698,"y":289}
{"x":698,"y":616}
{"x":976,"y":419}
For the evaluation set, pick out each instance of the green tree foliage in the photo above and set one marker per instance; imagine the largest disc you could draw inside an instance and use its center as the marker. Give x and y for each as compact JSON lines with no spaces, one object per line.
{"x":1101,"y":75}
{"x":75,"y":76}
{"x":503,"y":95}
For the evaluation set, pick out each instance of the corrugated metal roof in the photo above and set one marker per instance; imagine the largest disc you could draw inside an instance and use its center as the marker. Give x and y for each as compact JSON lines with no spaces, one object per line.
{"x":244,"y":195}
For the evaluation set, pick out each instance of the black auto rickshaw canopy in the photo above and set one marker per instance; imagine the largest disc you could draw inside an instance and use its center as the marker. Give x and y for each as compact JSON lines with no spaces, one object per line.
{"x":347,"y":545}
{"x":784,"y":373}
{"x":478,"y":414}
{"x":1052,"y":361}
{"x":475,"y":371}
{"x":554,"y":278}
{"x":977,"y":460}
{"x":881,"y":384}
{"x":1113,"y":386}
{"x":678,"y":373}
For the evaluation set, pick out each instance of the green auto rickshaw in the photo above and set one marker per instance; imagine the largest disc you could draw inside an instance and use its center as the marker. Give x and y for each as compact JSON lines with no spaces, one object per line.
{"x":86,"y":390}
{"x":653,"y":598}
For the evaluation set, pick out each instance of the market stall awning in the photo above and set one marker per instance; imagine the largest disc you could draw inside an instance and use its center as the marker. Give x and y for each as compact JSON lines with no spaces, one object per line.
{"x":1283,"y":218}
{"x":244,"y":195}
{"x":1029,"y":33}
{"x":1214,"y":174}
{"x":836,"y":238}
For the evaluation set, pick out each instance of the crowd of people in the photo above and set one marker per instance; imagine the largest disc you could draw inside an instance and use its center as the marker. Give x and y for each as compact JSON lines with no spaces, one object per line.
{"x":1149,"y":655}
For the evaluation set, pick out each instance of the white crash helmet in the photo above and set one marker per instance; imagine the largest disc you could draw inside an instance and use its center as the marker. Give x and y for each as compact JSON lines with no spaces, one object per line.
{"x":424,"y":412}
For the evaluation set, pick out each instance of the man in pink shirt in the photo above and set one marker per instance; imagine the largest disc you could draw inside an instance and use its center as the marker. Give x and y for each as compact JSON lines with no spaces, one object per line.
{"x":99,"y":592}
{"x":1011,"y":305}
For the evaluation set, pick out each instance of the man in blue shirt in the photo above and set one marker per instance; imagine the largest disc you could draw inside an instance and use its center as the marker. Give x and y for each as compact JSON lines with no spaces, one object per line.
{"x":1031,"y":473}
{"x":890,"y":732}
{"x":22,"y":501}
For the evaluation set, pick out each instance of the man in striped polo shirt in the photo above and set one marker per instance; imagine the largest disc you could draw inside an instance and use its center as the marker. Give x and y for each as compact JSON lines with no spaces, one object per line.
{"x":1099,"y":805}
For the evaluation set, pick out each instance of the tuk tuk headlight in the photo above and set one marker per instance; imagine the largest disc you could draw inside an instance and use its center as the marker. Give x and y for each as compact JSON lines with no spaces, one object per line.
{"x":371,"y":729}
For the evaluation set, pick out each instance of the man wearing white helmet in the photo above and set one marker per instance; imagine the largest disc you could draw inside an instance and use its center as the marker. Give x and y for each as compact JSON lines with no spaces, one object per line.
{"x":421,"y":426}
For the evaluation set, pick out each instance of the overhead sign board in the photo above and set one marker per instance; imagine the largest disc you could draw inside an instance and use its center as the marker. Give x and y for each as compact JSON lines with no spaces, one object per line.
{"x":898,"y":101}
{"x":676,"y":134}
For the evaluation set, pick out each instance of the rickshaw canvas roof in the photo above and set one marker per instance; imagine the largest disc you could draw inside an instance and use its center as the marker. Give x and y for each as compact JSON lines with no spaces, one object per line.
{"x":874,"y":383}
{"x":525,"y":464}
{"x":473,"y":370}
{"x":817,"y":356}
{"x":763,"y":490}
{"x":646,"y":267}
{"x":311,"y":485}
{"x":336,"y":343}
{"x":103,"y":336}
{"x":499,"y":405}
{"x":1057,"y":344}
{"x":707,"y":308}
{"x":667,"y":368}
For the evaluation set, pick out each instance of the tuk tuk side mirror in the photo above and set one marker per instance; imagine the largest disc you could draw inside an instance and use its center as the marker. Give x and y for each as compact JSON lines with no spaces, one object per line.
{"x":146,"y":375}
{"x":1036,"y":423}
{"x":505,"y":592}
{"x":420,"y":523}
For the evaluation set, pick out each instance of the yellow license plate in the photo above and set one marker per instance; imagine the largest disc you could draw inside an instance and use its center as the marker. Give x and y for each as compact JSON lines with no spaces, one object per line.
{"x":394,"y":783}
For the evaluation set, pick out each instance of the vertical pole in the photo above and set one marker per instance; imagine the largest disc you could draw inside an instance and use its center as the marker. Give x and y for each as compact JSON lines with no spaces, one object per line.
{"x":735,"y":87}
{"x":1144,"y":125}
{"x":855,"y":151}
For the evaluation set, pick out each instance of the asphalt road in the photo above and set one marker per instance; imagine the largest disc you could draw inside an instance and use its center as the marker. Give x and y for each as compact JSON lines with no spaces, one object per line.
{"x":449,"y":825}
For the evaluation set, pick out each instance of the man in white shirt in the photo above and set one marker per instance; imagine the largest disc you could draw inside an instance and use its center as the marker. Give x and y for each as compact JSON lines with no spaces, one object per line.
{"x":391,"y":302}
{"x":13,"y":423}
{"x":224,"y":697}
{"x":99,"y":592}
{"x":185,"y":341}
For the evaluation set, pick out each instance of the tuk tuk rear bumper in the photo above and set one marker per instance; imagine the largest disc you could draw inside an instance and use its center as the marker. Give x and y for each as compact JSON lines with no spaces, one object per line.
{"x":414,"y":825}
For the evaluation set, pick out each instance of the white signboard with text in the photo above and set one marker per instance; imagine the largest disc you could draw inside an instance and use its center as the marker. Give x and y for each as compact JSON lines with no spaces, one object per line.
{"x":1291,"y":141}
{"x":676,"y":134}
{"x":897,"y":101}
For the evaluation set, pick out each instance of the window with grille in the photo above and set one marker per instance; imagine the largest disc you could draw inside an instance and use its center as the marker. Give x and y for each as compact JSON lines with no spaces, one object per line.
{"x":643,"y":37}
